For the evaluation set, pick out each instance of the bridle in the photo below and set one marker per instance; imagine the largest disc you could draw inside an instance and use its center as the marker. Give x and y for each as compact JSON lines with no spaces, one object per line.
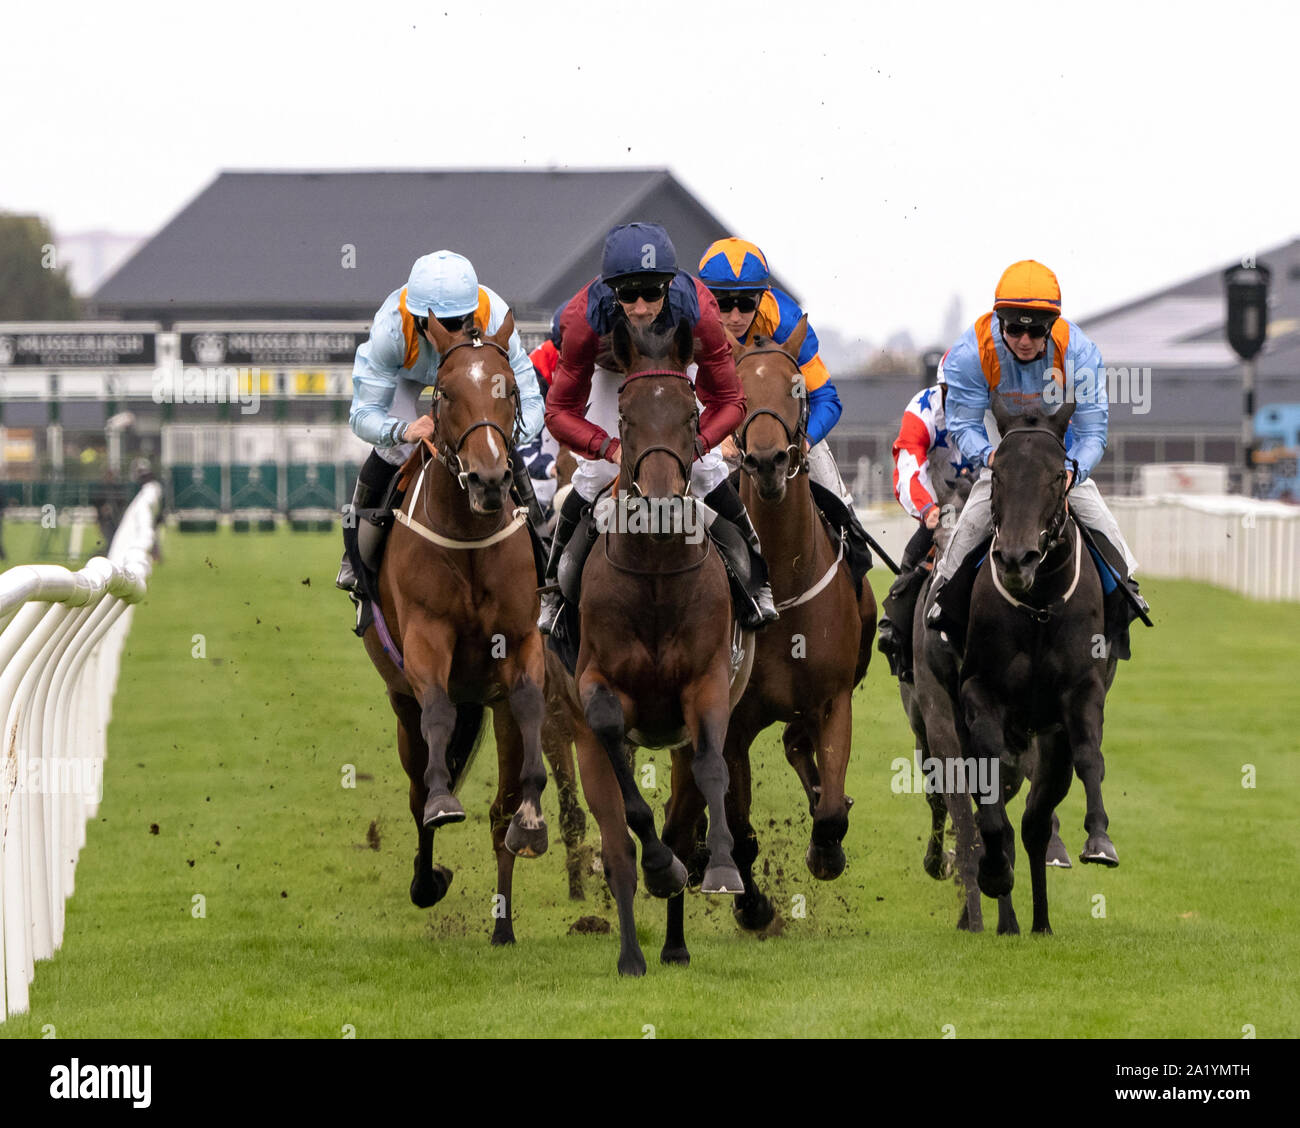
{"x":448,"y":454}
{"x":1049,"y":538}
{"x":794,"y":439}
{"x":660,"y":447}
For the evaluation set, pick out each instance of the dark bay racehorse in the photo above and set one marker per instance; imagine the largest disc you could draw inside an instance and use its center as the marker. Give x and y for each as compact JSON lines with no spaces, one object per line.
{"x":457,"y":595}
{"x":1032,"y":664}
{"x":654,"y":660}
{"x":807,"y":664}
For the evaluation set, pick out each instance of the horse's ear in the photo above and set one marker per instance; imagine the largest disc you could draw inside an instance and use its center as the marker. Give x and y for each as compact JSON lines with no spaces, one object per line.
{"x":736,"y":347}
{"x":683,"y":343}
{"x":437,"y":336}
{"x":1059,"y":420}
{"x":620,"y":343}
{"x":794,"y":342}
{"x":1003,"y":417}
{"x":501,"y":338}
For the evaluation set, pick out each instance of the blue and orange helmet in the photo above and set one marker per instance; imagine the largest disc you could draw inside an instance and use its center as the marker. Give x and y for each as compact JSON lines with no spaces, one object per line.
{"x":734,"y":264}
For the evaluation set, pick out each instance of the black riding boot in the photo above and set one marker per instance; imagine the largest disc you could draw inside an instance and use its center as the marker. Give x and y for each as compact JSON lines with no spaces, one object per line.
{"x":1118,"y":610}
{"x":565,"y":523}
{"x":951,"y":610}
{"x":750,"y":589}
{"x":372,"y":484}
{"x":895,"y":641}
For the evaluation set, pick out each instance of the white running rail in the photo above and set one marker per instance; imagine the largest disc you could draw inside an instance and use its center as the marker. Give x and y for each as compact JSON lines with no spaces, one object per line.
{"x":61,"y":638}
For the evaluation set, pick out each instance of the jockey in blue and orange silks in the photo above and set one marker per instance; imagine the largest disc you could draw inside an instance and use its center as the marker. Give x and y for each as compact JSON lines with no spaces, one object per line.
{"x":639,"y":283}
{"x":397,"y":362}
{"x":738,"y":277}
{"x":1027,"y":351}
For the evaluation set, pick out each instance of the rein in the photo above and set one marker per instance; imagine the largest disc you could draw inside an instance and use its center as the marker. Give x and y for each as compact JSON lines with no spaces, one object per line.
{"x":518,"y":519}
{"x":1041,"y":614}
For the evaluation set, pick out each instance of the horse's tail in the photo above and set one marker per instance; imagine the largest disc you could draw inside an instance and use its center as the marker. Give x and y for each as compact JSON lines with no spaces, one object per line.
{"x":466,"y":737}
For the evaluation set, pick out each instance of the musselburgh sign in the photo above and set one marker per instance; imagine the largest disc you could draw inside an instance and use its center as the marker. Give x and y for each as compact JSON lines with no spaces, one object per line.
{"x":64,"y":349}
{"x":269,"y":347}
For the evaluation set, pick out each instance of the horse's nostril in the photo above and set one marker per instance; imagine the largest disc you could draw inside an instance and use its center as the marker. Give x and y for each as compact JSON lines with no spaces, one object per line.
{"x":750,"y":464}
{"x":780,"y":457}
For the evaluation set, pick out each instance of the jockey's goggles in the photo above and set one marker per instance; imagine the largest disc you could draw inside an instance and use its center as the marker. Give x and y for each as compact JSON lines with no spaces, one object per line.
{"x":744,"y":300}
{"x":629,"y":292}
{"x":1037,"y":330}
{"x":456,"y":324}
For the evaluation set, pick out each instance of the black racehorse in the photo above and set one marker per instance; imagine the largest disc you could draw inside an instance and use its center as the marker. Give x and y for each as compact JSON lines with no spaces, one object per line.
{"x":932,"y":710}
{"x":1032,"y":664}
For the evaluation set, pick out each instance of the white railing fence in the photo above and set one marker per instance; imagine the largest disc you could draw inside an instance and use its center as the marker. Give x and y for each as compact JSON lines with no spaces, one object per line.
{"x":61,"y":638}
{"x":1247,"y":546}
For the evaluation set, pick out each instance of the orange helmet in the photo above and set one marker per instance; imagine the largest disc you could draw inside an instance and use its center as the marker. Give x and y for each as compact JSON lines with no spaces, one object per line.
{"x":1028,"y":285}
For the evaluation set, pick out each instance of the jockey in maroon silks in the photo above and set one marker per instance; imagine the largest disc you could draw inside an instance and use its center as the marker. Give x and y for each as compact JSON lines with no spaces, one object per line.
{"x":639,"y":282}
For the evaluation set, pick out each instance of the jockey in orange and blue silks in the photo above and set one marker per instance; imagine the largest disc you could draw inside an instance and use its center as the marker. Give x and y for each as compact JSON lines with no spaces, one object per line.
{"x":737,"y":274}
{"x":1027,"y":351}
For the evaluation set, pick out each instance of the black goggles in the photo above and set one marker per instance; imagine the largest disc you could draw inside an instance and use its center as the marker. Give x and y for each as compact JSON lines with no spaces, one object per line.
{"x":456,"y":324}
{"x":629,"y":292}
{"x":1036,"y":330}
{"x":744,"y":300}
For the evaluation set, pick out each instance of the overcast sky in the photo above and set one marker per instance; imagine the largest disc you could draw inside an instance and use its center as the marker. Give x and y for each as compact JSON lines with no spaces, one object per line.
{"x":885,"y":156}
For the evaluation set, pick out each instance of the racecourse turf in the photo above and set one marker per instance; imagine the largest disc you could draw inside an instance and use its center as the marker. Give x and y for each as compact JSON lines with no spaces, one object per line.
{"x":224,"y":781}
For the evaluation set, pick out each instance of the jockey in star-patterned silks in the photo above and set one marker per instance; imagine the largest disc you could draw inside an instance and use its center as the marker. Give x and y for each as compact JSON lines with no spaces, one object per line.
{"x":397,"y":362}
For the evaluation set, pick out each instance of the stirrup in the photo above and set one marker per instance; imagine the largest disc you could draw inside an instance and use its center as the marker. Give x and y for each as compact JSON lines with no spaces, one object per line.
{"x":552,"y":605}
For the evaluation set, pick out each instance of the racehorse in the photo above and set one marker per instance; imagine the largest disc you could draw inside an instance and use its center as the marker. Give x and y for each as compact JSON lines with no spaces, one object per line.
{"x":806,"y":665}
{"x":462,"y":627}
{"x":654,"y":660}
{"x":1032,"y":664}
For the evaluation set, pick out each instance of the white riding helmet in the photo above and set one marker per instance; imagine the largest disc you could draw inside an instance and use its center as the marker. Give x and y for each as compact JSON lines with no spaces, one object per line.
{"x":444,"y":282}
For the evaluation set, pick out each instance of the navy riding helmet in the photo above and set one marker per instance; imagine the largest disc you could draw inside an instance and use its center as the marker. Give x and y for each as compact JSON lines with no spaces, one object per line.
{"x":637,"y":248}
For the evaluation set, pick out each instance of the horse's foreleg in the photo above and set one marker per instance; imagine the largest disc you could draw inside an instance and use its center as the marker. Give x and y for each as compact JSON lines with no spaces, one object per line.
{"x":617,"y":851}
{"x":985,"y":724}
{"x":664,"y":872}
{"x":504,"y":805}
{"x":825,"y":857}
{"x":1049,"y":786}
{"x":753,"y":910}
{"x":430,"y":882}
{"x":1085,"y":710}
{"x":681,"y":816}
{"x":706,"y":708}
{"x":527,"y":834}
{"x":798,"y":743}
{"x":428,"y":654}
{"x":557,"y":747}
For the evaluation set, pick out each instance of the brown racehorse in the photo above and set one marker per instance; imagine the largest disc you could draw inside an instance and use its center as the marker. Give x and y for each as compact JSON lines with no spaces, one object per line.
{"x":807,"y":663}
{"x":456,"y":591}
{"x":654,"y":658}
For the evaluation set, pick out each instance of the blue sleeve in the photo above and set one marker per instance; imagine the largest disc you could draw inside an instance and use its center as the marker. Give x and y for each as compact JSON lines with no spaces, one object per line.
{"x":967,"y":400}
{"x":824,"y":410}
{"x":374,"y":381}
{"x":1091,"y":418}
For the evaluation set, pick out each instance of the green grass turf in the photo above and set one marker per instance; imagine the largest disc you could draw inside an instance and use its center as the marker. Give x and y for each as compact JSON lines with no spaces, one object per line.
{"x":238,"y":757}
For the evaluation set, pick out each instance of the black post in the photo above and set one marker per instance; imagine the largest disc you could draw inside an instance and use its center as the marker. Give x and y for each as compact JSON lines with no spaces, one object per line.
{"x":1247,"y":330}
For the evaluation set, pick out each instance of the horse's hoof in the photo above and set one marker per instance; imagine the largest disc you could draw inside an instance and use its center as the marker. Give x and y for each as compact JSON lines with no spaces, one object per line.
{"x":1100,"y":850}
{"x":723,"y":878}
{"x":675,"y":956}
{"x":825,"y":863}
{"x":525,"y":843}
{"x":755,"y":913}
{"x":938,"y":863}
{"x":502,"y":936}
{"x":967,"y":923}
{"x":1009,"y":928}
{"x":439,"y":810}
{"x":1057,"y":854}
{"x":996,"y":883}
{"x":1044,"y":929}
{"x":631,"y":964}
{"x":428,"y":889}
{"x":667,"y":881}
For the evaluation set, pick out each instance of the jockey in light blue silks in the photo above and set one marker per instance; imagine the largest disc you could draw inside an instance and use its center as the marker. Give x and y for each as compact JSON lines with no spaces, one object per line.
{"x":1027,"y":351}
{"x":398,"y":362}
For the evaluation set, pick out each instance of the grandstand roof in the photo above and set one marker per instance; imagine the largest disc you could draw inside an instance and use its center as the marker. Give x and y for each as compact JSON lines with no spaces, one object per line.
{"x":272,"y":244}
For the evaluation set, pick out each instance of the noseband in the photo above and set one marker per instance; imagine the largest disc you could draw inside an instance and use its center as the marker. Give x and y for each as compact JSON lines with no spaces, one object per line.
{"x":677,"y":457}
{"x":794,"y":439}
{"x":449,"y":455}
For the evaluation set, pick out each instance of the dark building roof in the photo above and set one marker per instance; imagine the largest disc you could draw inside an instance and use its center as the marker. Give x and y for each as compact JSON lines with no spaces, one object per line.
{"x":271,"y":244}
